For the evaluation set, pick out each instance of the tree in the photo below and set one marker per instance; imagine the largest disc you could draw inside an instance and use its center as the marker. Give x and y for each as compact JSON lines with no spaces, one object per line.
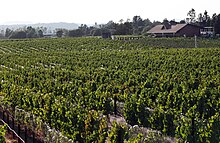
{"x":31,"y":32}
{"x":147,"y":26}
{"x":166,"y":24}
{"x":173,"y":22}
{"x":75,"y":33}
{"x":84,"y":29}
{"x":204,"y":20}
{"x":8,"y":32}
{"x":192,"y":16}
{"x":138,"y":25}
{"x":182,"y":21}
{"x":121,"y":21}
{"x":147,"y":22}
{"x":18,"y":35}
{"x":40,"y":33}
{"x":123,"y":28}
{"x":111,"y":26}
{"x":59,"y":33}
{"x":2,"y":34}
{"x":128,"y":28}
{"x":96,"y":32}
{"x":217,"y":25}
{"x":213,"y":20}
{"x":165,"y":21}
{"x":206,"y":17}
{"x":144,"y":31}
{"x":200,"y":18}
{"x":96,"y":25}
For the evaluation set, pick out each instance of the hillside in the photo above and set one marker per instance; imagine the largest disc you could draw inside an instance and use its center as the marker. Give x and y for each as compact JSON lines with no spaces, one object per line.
{"x":51,"y":26}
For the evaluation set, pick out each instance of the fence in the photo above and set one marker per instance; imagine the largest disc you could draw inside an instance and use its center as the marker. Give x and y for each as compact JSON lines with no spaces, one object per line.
{"x":15,"y":136}
{"x":129,"y":38}
{"x":20,"y":132}
{"x":30,"y":128}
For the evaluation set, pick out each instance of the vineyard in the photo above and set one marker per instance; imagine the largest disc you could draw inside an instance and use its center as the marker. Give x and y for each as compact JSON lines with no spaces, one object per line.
{"x":74,"y":84}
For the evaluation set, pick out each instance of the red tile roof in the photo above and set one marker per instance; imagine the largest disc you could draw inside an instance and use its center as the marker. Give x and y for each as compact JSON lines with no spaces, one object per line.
{"x":160,"y":29}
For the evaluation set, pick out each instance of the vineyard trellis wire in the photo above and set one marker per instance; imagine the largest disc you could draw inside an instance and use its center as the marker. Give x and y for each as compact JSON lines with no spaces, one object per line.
{"x":47,"y":134}
{"x":14,"y":134}
{"x":161,"y":74}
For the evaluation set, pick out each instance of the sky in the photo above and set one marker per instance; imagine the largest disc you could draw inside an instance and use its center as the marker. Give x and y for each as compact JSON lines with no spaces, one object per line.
{"x":100,"y":11}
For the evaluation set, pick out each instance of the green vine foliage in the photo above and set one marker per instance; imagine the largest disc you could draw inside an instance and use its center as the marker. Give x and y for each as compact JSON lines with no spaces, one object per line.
{"x":118,"y":133}
{"x":2,"y":133}
{"x":164,"y":84}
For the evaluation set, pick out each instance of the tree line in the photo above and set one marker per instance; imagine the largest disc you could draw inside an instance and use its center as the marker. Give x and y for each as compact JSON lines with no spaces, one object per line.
{"x":204,"y":20}
{"x":136,"y":26}
{"x":26,"y":32}
{"x":139,"y":26}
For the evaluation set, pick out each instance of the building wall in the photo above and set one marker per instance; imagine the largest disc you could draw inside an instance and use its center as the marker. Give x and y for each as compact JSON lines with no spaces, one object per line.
{"x":189,"y":31}
{"x":165,"y":34}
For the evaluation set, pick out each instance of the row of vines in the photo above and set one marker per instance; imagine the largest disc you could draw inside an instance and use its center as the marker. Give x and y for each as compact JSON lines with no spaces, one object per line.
{"x":71,"y":84}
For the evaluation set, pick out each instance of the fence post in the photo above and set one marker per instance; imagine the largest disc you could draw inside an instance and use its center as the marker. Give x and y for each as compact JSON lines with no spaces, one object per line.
{"x":193,"y":130}
{"x":25,"y":135}
{"x":196,"y":42}
{"x":13,"y":127}
{"x":115,"y":105}
{"x":3,"y":115}
{"x":19,"y":130}
{"x":0,"y":112}
{"x":33,"y":137}
{"x":13,"y":123}
{"x":119,"y":137}
{"x":8,"y":119}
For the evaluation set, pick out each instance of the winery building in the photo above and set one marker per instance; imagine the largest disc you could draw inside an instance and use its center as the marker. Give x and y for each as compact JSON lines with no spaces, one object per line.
{"x":177,"y":30}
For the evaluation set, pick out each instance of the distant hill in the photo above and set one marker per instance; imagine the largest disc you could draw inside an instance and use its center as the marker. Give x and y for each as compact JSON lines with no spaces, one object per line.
{"x":51,"y":26}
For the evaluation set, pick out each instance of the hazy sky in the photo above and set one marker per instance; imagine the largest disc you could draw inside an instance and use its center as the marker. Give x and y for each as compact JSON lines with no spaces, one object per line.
{"x":100,"y":11}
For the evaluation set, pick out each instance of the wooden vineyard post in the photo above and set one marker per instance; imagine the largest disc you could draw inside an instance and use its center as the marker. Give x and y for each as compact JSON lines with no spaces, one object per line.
{"x":119,"y":139}
{"x":13,"y":127}
{"x":7,"y":118}
{"x":19,"y":130}
{"x":33,"y":137}
{"x":196,"y":42}
{"x":115,"y":105}
{"x":25,"y":135}
{"x":193,"y":130}
{"x":3,"y":115}
{"x":13,"y":123}
{"x":0,"y":113}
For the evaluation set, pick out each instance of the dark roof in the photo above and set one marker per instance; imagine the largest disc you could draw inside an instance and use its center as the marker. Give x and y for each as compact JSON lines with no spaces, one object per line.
{"x":172,"y":29}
